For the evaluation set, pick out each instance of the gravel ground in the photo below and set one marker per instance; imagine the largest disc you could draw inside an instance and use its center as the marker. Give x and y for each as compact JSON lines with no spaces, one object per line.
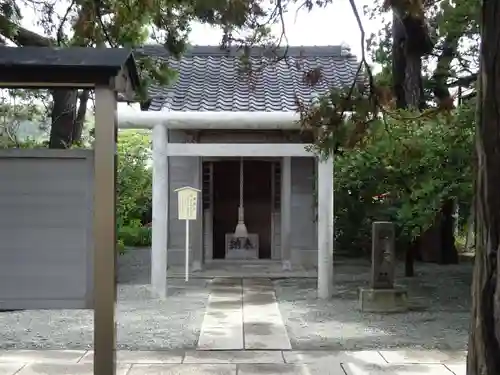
{"x":439,"y":316}
{"x":144,"y":323}
{"x":440,"y":296}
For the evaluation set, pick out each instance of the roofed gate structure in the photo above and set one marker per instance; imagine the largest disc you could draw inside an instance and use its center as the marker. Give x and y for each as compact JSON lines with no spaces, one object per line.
{"x":57,"y":207}
{"x":234,"y":136}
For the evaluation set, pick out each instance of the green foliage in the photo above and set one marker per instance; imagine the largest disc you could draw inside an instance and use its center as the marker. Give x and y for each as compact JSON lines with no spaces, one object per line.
{"x":132,"y":23}
{"x":134,"y":235}
{"x":19,"y":112}
{"x":134,"y":187}
{"x":416,"y":165}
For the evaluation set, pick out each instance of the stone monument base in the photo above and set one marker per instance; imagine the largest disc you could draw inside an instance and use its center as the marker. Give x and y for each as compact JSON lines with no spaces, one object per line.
{"x":242,"y":254}
{"x":383,"y":300}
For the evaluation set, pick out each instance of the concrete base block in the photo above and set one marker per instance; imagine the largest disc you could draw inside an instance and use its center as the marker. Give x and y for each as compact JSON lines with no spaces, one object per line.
{"x":242,"y":254}
{"x":383,"y":300}
{"x":196,"y":266}
{"x":287,"y":265}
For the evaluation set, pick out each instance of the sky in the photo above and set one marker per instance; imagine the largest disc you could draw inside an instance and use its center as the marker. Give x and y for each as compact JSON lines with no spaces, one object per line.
{"x":332,"y":25}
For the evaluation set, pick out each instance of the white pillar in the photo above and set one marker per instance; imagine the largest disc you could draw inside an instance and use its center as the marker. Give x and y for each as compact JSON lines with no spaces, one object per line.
{"x":325,"y":228}
{"x":286,"y":205}
{"x":161,"y":192}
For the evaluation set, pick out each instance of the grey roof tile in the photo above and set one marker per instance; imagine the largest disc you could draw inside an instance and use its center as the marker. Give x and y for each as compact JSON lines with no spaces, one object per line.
{"x":211,"y":79}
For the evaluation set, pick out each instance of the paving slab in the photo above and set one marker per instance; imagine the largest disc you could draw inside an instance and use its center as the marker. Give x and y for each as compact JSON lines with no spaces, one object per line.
{"x":222,"y":327}
{"x":66,"y":369}
{"x":10,"y":368}
{"x":410,"y":369}
{"x":52,"y":356}
{"x":334,"y":357}
{"x":234,"y":356}
{"x":289,"y":369}
{"x":424,"y":356}
{"x":456,"y":369}
{"x":141,"y":356}
{"x":225,"y":369}
{"x":263,"y":325}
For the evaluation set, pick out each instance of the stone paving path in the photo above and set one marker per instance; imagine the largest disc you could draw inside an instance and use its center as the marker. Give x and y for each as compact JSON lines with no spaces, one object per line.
{"x":242,"y":334}
{"x":245,"y":362}
{"x":243,"y":314}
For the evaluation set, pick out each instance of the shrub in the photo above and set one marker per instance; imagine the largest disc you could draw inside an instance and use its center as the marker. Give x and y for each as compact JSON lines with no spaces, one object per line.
{"x":134,"y":236}
{"x":134,"y":177}
{"x":403,"y":172}
{"x":134,"y":188}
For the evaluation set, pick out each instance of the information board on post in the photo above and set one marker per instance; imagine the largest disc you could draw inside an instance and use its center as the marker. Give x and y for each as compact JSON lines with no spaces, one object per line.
{"x":187,"y":209}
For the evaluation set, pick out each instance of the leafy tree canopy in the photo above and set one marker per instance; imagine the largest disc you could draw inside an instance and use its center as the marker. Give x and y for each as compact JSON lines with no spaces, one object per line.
{"x":131,"y":23}
{"x":116,"y":23}
{"x":454,"y":30}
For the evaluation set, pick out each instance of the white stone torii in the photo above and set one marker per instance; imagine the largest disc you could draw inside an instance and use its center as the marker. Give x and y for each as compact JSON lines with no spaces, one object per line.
{"x":160,"y":121}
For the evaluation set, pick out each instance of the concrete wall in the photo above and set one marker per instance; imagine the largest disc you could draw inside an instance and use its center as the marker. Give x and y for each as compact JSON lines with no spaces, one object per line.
{"x":46,"y":241}
{"x":182,"y":172}
{"x":304,"y":241}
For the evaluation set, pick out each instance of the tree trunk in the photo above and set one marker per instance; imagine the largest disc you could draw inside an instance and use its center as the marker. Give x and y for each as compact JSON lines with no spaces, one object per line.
{"x":413,"y":81}
{"x":411,"y":41}
{"x":438,"y":242}
{"x":448,"y":252}
{"x":407,"y":85}
{"x":66,"y":126}
{"x":67,"y":122}
{"x":441,"y":74}
{"x":80,"y":116}
{"x":63,"y":118}
{"x":398,"y":61}
{"x":484,"y":335}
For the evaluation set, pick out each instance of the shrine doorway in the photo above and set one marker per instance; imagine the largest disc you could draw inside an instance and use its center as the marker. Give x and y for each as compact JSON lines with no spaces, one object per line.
{"x":257,"y":199}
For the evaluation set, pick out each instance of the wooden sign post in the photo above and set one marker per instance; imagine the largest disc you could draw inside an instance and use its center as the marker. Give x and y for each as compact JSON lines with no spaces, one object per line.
{"x":187,"y":209}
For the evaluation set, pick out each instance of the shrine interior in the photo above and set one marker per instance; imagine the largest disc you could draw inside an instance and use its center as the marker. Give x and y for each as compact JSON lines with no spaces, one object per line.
{"x":257,"y":199}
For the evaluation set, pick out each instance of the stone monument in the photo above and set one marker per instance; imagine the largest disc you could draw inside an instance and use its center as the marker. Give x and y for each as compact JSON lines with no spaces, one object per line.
{"x":382,"y":295}
{"x":242,"y":248}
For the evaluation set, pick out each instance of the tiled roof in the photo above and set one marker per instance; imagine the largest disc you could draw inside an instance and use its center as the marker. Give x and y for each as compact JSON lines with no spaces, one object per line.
{"x":211,"y":79}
